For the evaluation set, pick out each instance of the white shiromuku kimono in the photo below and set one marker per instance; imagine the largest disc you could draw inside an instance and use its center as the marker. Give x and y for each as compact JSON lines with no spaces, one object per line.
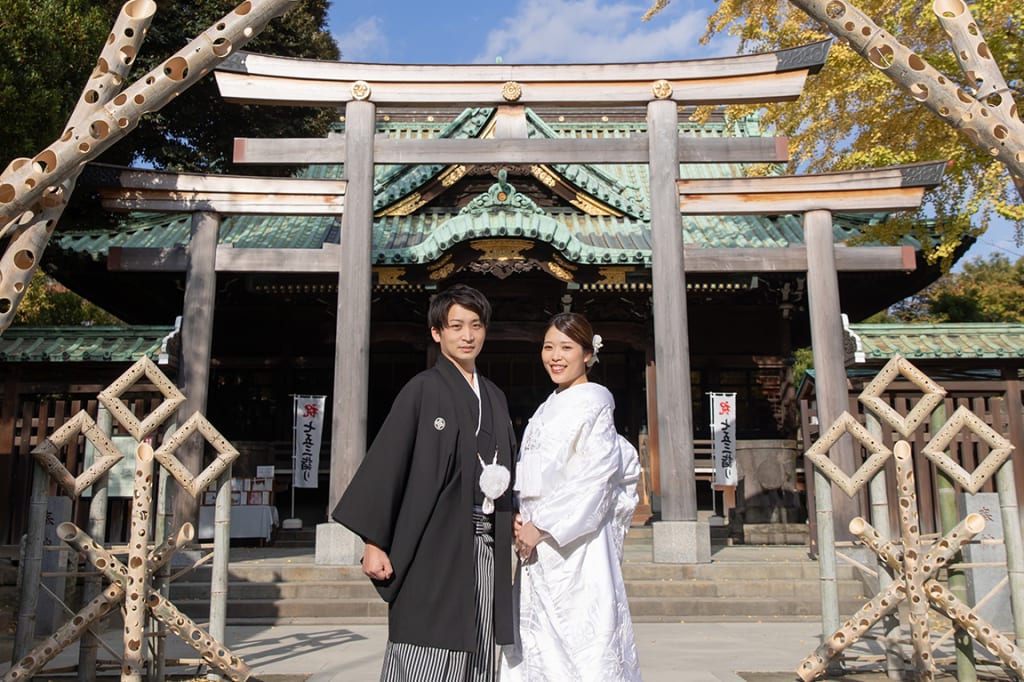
{"x":576,"y":479}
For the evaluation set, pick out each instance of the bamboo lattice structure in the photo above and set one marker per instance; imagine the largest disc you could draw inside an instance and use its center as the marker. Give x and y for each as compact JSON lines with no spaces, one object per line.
{"x":984,"y":110}
{"x":915,"y":565}
{"x":131,"y":583}
{"x":34,"y":192}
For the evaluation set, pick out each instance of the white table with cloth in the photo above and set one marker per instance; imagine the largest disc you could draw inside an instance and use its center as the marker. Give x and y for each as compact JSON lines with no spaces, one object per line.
{"x":247,"y":521}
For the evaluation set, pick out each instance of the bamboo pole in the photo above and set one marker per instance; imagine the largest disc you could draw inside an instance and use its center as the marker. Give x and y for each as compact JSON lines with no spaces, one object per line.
{"x":211,"y":649}
{"x":878,"y":497}
{"x":979,"y":628}
{"x":966,"y":665}
{"x":910,"y":530}
{"x":1000,"y":136}
{"x":93,"y":585}
{"x":1014,"y":540}
{"x":134,"y":607}
{"x":30,"y":234}
{"x":44,"y":182}
{"x":221,"y":559}
{"x":28,"y":665}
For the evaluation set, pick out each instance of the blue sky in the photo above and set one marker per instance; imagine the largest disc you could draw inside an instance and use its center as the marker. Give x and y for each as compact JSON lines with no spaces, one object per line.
{"x":520,"y":32}
{"x":546,"y":32}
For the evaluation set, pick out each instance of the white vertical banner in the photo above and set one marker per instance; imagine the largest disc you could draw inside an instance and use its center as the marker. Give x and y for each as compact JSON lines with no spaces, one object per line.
{"x":723,"y":438}
{"x":308,"y":429}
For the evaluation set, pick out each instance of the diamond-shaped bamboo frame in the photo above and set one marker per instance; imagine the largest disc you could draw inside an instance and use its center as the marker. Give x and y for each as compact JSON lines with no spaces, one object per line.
{"x":932,"y":395}
{"x":226,"y":454}
{"x":935,"y":450}
{"x":818,"y":454}
{"x":111,"y":398}
{"x":107,"y":454}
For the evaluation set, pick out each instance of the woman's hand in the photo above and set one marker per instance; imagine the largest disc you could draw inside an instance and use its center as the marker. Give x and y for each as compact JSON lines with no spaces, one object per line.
{"x":528,"y":536}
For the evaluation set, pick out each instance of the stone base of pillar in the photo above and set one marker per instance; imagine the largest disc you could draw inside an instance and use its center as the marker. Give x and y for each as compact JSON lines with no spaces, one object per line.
{"x":682,"y":542}
{"x":336,"y":545}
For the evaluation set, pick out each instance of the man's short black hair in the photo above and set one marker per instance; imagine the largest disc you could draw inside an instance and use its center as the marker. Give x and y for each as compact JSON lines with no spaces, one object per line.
{"x":458,"y":294}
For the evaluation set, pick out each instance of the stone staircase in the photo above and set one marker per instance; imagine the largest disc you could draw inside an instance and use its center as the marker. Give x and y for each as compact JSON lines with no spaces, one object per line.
{"x":282,"y":584}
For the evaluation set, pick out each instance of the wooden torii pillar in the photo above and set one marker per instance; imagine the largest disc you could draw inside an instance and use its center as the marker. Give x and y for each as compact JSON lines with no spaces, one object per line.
{"x":207,"y":198}
{"x":817,"y":197}
{"x":254,"y":79}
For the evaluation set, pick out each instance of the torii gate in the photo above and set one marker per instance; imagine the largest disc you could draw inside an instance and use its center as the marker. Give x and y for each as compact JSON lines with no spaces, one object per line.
{"x":661,"y":87}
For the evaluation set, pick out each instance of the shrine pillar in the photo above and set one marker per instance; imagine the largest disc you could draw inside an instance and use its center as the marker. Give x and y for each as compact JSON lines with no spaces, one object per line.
{"x":830,"y":390}
{"x":678,"y":537}
{"x":196,"y":349}
{"x":335,"y":544}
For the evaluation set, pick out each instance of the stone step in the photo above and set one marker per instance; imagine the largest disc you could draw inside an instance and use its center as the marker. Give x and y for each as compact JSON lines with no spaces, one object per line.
{"x":778,"y":589}
{"x":739,"y":583}
{"x":659,"y":608}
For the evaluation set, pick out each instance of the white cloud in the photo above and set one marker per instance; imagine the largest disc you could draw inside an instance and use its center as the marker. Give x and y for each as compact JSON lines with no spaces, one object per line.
{"x":363,"y":42}
{"x":592,"y":31}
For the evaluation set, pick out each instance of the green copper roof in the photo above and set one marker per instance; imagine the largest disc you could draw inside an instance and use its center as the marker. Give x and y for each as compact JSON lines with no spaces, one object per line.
{"x":426,"y":233}
{"x":88,"y":344}
{"x":990,"y":341}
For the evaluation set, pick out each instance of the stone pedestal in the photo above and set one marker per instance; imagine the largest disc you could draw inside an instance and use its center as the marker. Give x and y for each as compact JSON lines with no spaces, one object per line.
{"x":990,"y":560}
{"x":337,"y":545}
{"x":50,"y":614}
{"x":682,"y":542}
{"x":767,"y":486}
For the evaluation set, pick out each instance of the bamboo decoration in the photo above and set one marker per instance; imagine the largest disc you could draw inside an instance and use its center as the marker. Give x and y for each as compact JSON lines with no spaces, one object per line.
{"x":915,"y":565}
{"x":131,"y":582}
{"x":987,"y":113}
{"x":66,"y":635}
{"x":34,"y":191}
{"x":30,"y":234}
{"x":111,"y":398}
{"x":912,"y":567}
{"x":226,"y":454}
{"x":134,"y":608}
{"x":932,"y":395}
{"x":935,"y":450}
{"x":107,"y":454}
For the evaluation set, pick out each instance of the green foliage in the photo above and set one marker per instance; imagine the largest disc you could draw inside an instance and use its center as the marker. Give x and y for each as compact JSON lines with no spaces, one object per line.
{"x":46,"y":303}
{"x":803,"y":360}
{"x":195,"y":132}
{"x":986,"y":291}
{"x":48,"y":49}
{"x":851,"y":115}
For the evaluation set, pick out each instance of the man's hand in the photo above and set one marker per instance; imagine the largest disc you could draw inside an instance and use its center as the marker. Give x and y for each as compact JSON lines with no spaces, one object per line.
{"x":376,"y":562}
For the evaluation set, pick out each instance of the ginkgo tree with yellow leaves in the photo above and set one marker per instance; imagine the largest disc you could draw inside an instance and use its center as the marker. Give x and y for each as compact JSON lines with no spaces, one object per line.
{"x":904,"y":82}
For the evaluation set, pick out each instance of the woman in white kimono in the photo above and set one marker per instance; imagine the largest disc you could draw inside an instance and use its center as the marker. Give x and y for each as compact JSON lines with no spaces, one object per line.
{"x":576,"y":481}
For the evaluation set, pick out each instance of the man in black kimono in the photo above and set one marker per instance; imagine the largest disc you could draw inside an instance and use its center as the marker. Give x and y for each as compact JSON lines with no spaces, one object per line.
{"x":442,"y":563}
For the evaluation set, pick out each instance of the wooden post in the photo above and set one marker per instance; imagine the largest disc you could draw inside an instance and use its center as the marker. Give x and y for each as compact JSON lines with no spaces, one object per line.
{"x":352,"y":357}
{"x":352,"y":347}
{"x":671,"y":336}
{"x":197,"y":337}
{"x":829,"y":357}
{"x":689,"y":541}
{"x":32,"y":561}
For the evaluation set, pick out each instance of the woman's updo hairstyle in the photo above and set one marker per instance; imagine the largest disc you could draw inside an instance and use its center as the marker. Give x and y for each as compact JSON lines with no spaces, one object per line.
{"x":577,"y":328}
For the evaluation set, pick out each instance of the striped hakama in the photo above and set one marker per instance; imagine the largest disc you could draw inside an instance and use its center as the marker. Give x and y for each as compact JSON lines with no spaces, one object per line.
{"x":405,"y":662}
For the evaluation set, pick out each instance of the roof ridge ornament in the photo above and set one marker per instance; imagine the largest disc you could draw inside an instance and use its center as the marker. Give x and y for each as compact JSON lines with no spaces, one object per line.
{"x":502,"y":195}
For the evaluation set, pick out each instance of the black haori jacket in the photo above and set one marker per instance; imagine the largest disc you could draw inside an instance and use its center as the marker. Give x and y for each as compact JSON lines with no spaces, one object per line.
{"x":413,"y":497}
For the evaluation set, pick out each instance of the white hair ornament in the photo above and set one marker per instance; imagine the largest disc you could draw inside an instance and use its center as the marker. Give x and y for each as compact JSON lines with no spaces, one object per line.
{"x":597,"y":343}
